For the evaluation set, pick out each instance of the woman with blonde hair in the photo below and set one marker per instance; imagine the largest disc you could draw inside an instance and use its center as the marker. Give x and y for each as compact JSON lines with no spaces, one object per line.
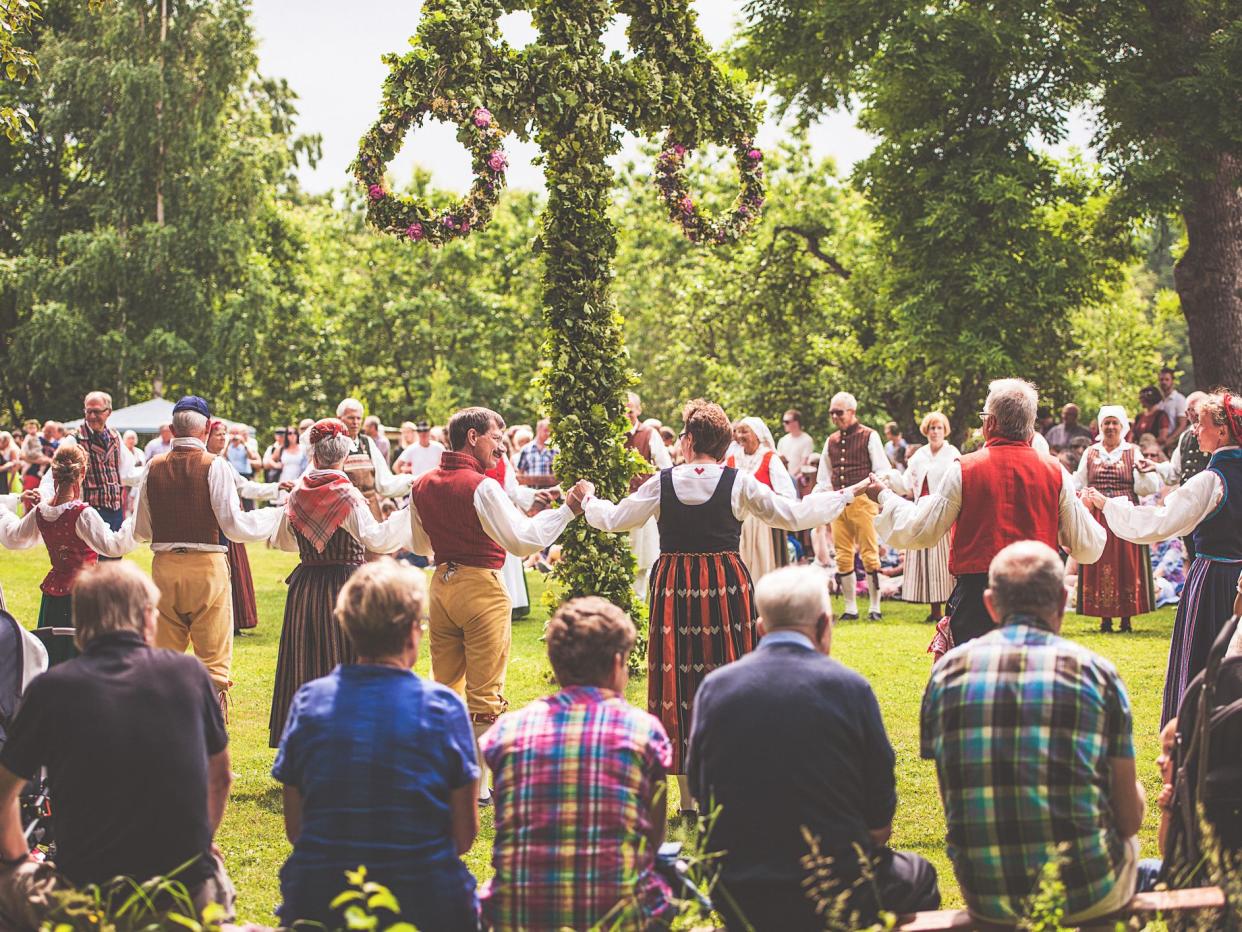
{"x":1210,"y":505}
{"x":927,"y":580}
{"x":75,"y":534}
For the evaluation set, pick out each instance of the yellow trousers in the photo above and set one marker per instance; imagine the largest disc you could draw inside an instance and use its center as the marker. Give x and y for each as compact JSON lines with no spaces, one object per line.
{"x":855,"y":529}
{"x":196,"y":608}
{"x":470,"y":631}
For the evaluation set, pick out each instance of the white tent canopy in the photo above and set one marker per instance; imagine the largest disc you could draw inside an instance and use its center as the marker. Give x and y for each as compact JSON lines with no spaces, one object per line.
{"x":146,"y":418}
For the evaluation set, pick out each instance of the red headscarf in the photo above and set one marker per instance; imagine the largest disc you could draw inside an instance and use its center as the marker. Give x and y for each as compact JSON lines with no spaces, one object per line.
{"x":325,"y":428}
{"x":1233,"y":418}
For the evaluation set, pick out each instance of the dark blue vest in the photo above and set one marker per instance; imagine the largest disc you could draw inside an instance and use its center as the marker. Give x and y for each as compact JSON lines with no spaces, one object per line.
{"x":707,"y":528}
{"x":1219,"y":536}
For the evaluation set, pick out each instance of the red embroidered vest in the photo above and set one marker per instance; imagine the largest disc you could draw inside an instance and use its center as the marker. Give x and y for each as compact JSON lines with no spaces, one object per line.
{"x":444,"y":498}
{"x":849,"y":456}
{"x":68,"y":552}
{"x":1009,"y":493}
{"x":764,"y":472}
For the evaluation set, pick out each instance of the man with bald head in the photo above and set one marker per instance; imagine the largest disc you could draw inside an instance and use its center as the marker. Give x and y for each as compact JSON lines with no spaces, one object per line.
{"x":851,"y":454}
{"x":1061,"y":436}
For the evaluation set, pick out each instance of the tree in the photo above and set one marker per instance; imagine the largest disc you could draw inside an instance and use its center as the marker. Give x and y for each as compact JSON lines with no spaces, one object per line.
{"x":17,"y":63}
{"x":960,"y":93}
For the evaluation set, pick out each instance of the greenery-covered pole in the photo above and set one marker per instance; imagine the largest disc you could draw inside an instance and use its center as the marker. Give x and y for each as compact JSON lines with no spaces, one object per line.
{"x":570,"y":97}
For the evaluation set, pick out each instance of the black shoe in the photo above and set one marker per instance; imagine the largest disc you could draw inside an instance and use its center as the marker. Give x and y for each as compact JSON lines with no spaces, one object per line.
{"x":486,"y":800}
{"x":874,"y":616}
{"x":849,"y":616}
{"x":1106,"y":626}
{"x":1125,"y":626}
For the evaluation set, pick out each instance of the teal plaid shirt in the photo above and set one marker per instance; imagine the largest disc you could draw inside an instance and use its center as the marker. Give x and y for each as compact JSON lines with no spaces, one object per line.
{"x":1021,"y":724}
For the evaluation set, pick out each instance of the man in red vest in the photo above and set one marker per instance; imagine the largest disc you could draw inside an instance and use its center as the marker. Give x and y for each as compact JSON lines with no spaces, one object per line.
{"x":467,"y":521}
{"x":994,"y":497}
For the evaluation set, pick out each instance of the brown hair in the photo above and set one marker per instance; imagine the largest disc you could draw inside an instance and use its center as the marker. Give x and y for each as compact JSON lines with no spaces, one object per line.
{"x":68,"y":465}
{"x":479,"y":420}
{"x":584,"y":636}
{"x":379,"y":605}
{"x":708,"y":426}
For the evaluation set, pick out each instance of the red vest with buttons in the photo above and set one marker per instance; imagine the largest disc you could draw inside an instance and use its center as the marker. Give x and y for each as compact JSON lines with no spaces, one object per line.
{"x":444,"y":498}
{"x":1009,"y":493}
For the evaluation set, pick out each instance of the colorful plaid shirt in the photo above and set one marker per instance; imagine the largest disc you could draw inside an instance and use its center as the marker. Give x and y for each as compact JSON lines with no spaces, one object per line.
{"x":1021,"y":724}
{"x":575,"y":777}
{"x":534,"y":460}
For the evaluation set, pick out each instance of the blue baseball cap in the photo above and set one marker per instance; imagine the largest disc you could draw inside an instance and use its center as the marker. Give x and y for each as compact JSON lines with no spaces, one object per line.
{"x":192,"y":403}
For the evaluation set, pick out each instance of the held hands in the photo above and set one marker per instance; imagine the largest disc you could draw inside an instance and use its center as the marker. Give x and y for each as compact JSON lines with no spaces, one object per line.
{"x":581,"y":490}
{"x":546,"y":497}
{"x":871,"y":487}
{"x":1094,"y":497}
{"x":1145,"y":465}
{"x":30,"y":498}
{"x":287,"y":485}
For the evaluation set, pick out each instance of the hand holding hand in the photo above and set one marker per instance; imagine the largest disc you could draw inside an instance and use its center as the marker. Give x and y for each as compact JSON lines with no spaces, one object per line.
{"x":287,"y":485}
{"x":871,"y":487}
{"x":30,"y":498}
{"x":578,"y":494}
{"x":1145,"y":465}
{"x":1094,"y":497}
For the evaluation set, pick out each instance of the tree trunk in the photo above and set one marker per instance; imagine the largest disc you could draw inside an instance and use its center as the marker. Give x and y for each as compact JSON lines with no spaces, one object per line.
{"x":1209,"y":276}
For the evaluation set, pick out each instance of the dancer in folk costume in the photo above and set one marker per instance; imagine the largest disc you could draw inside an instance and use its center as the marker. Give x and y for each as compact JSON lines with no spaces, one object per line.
{"x":329,"y":524}
{"x":701,"y":596}
{"x":989,"y":499}
{"x":763,"y":548}
{"x":851,"y":454}
{"x":1119,"y":584}
{"x":245,"y":608}
{"x":465,"y":519}
{"x":365,"y":465}
{"x":75,"y":535}
{"x":524,"y":498}
{"x":1187,"y":460}
{"x":648,"y":443}
{"x":1209,"y":505}
{"x":187,"y":508}
{"x":927,"y":580}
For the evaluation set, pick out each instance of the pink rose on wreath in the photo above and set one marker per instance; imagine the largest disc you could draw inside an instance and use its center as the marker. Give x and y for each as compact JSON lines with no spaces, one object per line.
{"x":679,"y":150}
{"x":755,"y":155}
{"x":414,"y":231}
{"x":686,"y":204}
{"x":497,"y":161}
{"x":449,"y":222}
{"x":376,"y":192}
{"x":482,"y":117}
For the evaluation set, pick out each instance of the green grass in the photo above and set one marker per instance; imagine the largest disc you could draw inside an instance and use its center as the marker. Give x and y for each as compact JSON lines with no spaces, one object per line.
{"x":889,"y":653}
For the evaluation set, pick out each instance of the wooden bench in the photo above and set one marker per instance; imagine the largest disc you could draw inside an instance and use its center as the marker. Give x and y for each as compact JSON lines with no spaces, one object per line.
{"x":1167,"y":901}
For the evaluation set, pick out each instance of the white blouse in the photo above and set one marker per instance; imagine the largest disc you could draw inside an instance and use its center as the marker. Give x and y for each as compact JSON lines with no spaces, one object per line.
{"x":502,"y":522}
{"x":1184,"y":509}
{"x":924,"y":465}
{"x":91,"y":529}
{"x":782,"y":483}
{"x":695,"y":483}
{"x":1145,"y":483}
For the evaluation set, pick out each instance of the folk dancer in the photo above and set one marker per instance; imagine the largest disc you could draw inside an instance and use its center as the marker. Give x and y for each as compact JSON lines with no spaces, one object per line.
{"x":468,"y":523}
{"x":648,"y":444}
{"x":1209,"y":505}
{"x":994,"y":497}
{"x":365,"y":465}
{"x":763,"y":548}
{"x":1187,"y":460}
{"x":525,"y":498}
{"x":1119,"y":584}
{"x":851,"y":454}
{"x":701,"y":594}
{"x":187,"y":506}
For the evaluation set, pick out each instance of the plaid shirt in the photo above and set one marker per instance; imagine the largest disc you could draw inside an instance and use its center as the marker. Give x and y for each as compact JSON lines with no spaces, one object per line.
{"x":575,"y":775}
{"x":535,"y":460}
{"x":1021,"y":724}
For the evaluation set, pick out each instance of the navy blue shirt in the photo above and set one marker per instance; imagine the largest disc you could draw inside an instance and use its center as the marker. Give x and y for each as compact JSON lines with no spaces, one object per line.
{"x":784,"y":738}
{"x":376,"y":753}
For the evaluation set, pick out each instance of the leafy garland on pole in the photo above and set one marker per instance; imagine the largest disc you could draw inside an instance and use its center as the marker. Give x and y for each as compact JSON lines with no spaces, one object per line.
{"x":567,"y":94}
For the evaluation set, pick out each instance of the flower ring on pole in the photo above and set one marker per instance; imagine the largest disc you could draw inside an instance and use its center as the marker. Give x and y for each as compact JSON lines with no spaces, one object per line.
{"x":698,"y":228}
{"x":413,"y":218}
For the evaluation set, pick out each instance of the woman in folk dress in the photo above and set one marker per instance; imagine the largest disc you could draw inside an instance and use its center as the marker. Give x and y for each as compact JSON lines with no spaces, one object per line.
{"x":927,"y":580}
{"x":763,"y":548}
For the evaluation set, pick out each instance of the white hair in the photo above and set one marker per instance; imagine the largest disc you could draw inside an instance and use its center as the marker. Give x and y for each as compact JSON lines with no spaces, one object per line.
{"x":127,"y":435}
{"x":347,"y":404}
{"x":188,"y":423}
{"x":102,"y":396}
{"x":792,"y":597}
{"x":848,"y":401}
{"x":1013,"y":402}
{"x":331,"y":450}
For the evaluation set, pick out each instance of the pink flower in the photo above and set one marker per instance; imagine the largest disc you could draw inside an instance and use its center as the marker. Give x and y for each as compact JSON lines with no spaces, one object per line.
{"x":414,"y":231}
{"x":482,"y":117}
{"x":376,"y":192}
{"x":497,"y":161}
{"x":465,"y":226}
{"x":686,"y":204}
{"x":755,"y":155}
{"x":679,"y":150}
{"x":449,"y":222}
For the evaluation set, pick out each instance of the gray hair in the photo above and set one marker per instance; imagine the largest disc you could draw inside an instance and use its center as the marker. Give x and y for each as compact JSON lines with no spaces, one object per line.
{"x":847,"y":400}
{"x":111,"y":596}
{"x":331,"y":450}
{"x":1028,"y":578}
{"x":347,"y":404}
{"x":792,"y":597}
{"x":1013,"y":403}
{"x":188,"y":423}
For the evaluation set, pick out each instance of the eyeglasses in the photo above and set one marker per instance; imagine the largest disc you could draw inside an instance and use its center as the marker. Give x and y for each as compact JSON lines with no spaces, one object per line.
{"x":90,"y":411}
{"x":984,"y":415}
{"x":787,"y":420}
{"x":837,"y":412}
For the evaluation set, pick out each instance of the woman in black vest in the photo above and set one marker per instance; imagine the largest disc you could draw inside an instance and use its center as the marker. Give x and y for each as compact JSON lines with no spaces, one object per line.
{"x":701,"y":597}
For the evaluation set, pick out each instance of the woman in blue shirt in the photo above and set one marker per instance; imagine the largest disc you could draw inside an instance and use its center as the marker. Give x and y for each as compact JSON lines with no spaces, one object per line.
{"x":380,"y":769}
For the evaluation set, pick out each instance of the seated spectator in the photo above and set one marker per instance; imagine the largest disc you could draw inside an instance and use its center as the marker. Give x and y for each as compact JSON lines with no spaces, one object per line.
{"x":379,"y":768}
{"x":579,"y":789}
{"x":788,"y":739}
{"x":136,"y":753}
{"x":1031,"y":734}
{"x":1061,"y":436}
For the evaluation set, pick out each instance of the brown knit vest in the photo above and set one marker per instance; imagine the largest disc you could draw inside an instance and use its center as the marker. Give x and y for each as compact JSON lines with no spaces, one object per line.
{"x":179,"y":498}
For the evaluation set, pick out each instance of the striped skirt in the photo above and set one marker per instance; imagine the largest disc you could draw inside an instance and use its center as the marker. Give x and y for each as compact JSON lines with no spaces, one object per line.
{"x":245,"y":611}
{"x":312,"y":644}
{"x":1206,"y":604}
{"x":702,"y":617}
{"x":926,"y":577}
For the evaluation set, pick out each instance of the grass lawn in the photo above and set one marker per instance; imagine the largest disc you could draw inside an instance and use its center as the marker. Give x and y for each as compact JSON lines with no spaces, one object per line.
{"x":889,"y":653}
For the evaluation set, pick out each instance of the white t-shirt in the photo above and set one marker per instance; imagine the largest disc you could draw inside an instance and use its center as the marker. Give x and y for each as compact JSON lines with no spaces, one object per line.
{"x":422,"y":458}
{"x":795,"y":450}
{"x":1174,"y":405}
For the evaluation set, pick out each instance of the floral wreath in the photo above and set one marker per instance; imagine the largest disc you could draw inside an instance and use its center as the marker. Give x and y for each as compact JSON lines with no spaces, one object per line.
{"x":413,"y":218}
{"x":682,"y":208}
